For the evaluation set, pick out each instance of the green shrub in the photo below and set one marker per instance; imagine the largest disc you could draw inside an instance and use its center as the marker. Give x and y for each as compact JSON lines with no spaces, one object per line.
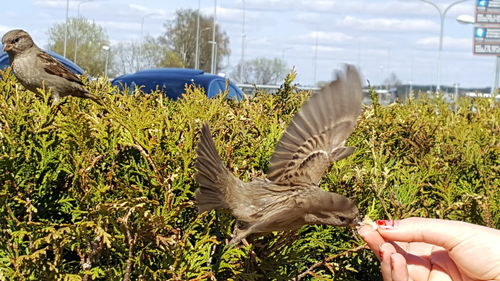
{"x":106,"y":193}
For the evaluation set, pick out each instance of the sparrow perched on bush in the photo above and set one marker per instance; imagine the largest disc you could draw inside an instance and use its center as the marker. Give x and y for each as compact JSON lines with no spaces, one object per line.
{"x":34,"y":68}
{"x":289,"y":197}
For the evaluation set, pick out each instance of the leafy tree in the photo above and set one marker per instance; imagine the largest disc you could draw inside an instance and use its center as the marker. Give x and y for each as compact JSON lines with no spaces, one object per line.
{"x":180,"y":37}
{"x":87,"y":38}
{"x":261,"y":71}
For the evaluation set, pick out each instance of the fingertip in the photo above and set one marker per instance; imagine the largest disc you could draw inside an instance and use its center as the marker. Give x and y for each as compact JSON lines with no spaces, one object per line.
{"x":386,"y":250}
{"x":399,"y":267}
{"x":364,"y":231}
{"x":371,"y":237}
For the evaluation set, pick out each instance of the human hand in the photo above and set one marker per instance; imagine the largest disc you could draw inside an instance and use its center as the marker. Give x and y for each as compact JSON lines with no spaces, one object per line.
{"x":433,"y":249}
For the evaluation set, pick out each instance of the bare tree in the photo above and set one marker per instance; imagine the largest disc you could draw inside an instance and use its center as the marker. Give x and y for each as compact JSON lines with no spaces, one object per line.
{"x":133,"y":56}
{"x":261,"y":71}
{"x":392,"y":80}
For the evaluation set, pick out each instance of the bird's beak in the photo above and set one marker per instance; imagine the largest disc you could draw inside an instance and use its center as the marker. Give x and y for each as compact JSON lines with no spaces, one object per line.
{"x":356,"y":222}
{"x":7,"y":47}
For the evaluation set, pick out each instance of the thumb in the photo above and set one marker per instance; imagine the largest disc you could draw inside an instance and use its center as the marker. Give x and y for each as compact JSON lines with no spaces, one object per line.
{"x":445,"y":233}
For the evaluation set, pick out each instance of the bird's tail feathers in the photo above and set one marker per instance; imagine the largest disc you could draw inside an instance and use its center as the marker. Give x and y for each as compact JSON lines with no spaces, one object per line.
{"x":215,"y":180}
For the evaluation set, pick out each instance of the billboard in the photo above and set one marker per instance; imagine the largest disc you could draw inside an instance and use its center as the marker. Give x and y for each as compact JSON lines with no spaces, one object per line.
{"x":486,"y":37}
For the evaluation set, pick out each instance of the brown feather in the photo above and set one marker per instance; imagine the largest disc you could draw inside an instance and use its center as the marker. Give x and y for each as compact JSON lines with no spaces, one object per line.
{"x":54,"y":67}
{"x":216,"y":181}
{"x":315,"y":137}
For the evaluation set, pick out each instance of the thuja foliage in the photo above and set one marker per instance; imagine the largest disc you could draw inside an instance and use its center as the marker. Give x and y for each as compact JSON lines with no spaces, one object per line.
{"x":91,"y":192}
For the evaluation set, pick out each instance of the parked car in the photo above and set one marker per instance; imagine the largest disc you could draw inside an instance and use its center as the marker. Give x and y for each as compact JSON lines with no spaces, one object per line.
{"x":4,"y":62}
{"x":172,"y":82}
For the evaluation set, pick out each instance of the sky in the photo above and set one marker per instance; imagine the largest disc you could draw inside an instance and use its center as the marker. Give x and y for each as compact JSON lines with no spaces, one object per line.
{"x":315,"y":36}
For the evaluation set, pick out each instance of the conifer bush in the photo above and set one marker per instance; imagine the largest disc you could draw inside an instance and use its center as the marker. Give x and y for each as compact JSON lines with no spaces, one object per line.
{"x":92,"y":192}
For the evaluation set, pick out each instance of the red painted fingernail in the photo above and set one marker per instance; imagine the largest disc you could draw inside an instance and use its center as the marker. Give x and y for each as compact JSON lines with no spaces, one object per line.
{"x":386,"y":224}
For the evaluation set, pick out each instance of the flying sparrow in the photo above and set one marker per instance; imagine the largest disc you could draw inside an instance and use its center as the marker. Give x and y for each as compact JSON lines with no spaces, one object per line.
{"x":34,"y":68}
{"x":289,"y":197}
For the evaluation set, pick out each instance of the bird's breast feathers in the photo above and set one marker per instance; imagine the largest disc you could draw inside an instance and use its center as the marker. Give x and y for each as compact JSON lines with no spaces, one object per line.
{"x":25,"y":72}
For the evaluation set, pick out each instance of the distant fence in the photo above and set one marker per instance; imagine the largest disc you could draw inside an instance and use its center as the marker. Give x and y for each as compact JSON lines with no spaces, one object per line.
{"x":385,"y":96}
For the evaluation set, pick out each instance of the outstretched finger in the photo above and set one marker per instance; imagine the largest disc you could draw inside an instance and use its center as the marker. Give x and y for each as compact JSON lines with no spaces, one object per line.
{"x":372,"y":239}
{"x":444,"y":233}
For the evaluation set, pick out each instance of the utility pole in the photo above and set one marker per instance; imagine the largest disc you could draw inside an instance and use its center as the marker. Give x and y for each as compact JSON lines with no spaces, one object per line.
{"x":243,"y":36}
{"x":214,"y":43}
{"x":442,"y":16}
{"x":66,"y":29}
{"x":197,"y":50}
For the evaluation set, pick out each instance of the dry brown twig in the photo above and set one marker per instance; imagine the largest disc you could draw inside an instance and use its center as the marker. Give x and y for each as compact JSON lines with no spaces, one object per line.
{"x":309,"y":271}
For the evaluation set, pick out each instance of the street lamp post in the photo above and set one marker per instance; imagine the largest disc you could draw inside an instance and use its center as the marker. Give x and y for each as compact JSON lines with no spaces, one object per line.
{"x":442,"y":15}
{"x":214,"y":56}
{"x":141,"y":40}
{"x":315,"y":57}
{"x":197,"y":48}
{"x":142,"y":24}
{"x":283,"y":52}
{"x":243,"y":37}
{"x":106,"y":49}
{"x":77,"y":31}
{"x":197,"y":55}
{"x":66,"y":29}
{"x":214,"y":59}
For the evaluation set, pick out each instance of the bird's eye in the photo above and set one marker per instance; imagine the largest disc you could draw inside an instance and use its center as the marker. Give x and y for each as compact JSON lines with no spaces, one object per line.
{"x":15,"y":41}
{"x":342,"y":219}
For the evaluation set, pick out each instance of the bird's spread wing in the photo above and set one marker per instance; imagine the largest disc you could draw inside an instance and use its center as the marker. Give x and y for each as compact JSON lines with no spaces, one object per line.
{"x":52,"y":66}
{"x":315,"y":137}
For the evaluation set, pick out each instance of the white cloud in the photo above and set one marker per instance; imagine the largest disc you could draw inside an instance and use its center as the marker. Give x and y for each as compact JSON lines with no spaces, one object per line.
{"x":4,"y":29}
{"x":392,"y":8}
{"x":387,"y":24}
{"x":326,"y":37}
{"x":448,"y":43}
{"x":322,"y":48}
{"x":51,"y":3}
{"x":231,"y":15}
{"x":269,"y":5}
{"x":145,"y":10}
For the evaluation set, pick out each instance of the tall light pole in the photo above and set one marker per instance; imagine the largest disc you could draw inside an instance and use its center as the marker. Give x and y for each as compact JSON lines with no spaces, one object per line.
{"x":442,"y":15}
{"x":142,"y":24}
{"x":197,"y":48}
{"x":315,"y":57}
{"x":141,"y":40}
{"x":106,"y":49}
{"x":214,"y":59}
{"x":283,"y":52}
{"x":77,"y":31}
{"x":243,"y":37}
{"x":66,"y":29}
{"x":197,"y":58}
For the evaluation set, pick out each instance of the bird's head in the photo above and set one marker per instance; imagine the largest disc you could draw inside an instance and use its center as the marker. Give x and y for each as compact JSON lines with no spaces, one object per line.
{"x":333,"y":209}
{"x":16,"y":41}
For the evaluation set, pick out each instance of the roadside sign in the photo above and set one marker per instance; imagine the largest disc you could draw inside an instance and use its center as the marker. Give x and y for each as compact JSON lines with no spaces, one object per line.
{"x":486,"y":35}
{"x":488,"y":11}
